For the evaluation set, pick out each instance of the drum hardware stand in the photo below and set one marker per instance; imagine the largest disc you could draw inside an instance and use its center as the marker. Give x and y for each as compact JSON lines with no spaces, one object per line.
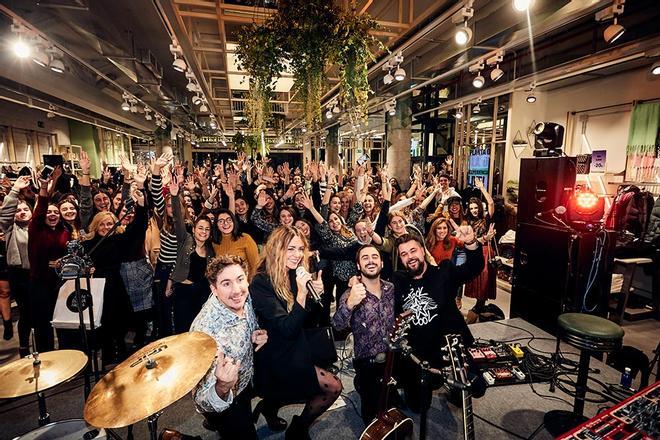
{"x":44,"y":417}
{"x":152,"y":422}
{"x":75,"y":265}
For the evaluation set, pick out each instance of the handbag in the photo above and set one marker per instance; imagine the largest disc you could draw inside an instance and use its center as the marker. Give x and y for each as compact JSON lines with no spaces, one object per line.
{"x":321,"y":346}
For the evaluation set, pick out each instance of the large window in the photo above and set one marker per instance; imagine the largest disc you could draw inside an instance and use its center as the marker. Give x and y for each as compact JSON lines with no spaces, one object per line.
{"x":481,"y":142}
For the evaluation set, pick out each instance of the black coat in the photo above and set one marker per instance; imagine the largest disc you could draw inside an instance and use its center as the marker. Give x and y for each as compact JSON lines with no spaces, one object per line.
{"x":283,"y":368}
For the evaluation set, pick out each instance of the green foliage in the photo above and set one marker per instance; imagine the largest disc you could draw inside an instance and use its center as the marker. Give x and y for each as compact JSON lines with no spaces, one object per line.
{"x":310,"y":34}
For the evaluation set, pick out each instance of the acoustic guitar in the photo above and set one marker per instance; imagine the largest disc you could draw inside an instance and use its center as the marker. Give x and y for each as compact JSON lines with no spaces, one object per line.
{"x":391,"y":424}
{"x":459,"y":371}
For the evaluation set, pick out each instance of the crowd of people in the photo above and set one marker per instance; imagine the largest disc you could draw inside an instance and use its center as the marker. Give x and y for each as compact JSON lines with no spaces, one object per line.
{"x":219,"y":249}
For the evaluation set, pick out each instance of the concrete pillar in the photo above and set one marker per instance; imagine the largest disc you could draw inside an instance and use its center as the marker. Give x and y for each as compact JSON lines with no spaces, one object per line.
{"x":332,"y":147}
{"x":398,"y":141}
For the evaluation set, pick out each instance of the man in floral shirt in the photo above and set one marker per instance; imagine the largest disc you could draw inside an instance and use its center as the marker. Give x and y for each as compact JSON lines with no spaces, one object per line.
{"x":367,"y":308}
{"x":223,"y":396}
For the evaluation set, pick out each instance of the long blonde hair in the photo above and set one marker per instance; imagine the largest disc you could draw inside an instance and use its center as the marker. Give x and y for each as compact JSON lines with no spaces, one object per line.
{"x":96,"y":221}
{"x":273,"y":261}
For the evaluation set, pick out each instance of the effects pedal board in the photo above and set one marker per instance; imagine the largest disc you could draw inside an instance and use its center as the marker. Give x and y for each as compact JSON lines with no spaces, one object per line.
{"x":499,"y":363}
{"x":636,"y":418}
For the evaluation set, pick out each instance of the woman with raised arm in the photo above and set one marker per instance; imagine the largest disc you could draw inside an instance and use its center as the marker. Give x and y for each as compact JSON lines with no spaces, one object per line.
{"x":191,"y":289}
{"x":47,"y":238}
{"x":284,"y":369}
{"x":104,"y":251}
{"x":483,"y":287}
{"x":15,"y":216}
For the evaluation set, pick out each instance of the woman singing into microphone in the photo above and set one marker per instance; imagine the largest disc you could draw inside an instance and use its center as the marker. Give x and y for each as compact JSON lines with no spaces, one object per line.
{"x":284,"y":370}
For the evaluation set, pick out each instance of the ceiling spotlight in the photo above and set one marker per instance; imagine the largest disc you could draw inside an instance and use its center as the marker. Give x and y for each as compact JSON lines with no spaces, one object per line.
{"x":57,"y":65}
{"x":496,"y":73}
{"x":387,"y":79}
{"x":21,"y":47}
{"x":224,"y":143}
{"x":203,"y":108}
{"x":328,"y":114}
{"x":213,"y":124}
{"x":147,"y":114}
{"x":41,"y":58}
{"x":196,"y":100}
{"x":613,"y":32}
{"x":336,"y":109}
{"x":179,"y":64}
{"x":463,"y":34}
{"x":478,"y":81}
{"x":399,"y":74}
{"x":459,"y":113}
{"x":191,"y":87}
{"x":476,"y":109}
{"x":304,"y":129}
{"x":125,"y":106}
{"x":655,"y":68}
{"x":531,"y":98}
{"x":522,"y":5}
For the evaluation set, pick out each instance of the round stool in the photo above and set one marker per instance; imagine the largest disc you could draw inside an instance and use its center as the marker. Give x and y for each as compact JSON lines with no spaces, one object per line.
{"x":590,"y":334}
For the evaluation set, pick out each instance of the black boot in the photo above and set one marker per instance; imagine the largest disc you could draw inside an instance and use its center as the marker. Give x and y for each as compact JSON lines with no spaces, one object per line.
{"x":274,"y":422}
{"x":297,"y":430}
{"x":9,"y":330}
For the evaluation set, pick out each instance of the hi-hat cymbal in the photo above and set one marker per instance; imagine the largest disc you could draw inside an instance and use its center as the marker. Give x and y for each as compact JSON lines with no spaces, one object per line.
{"x":22,"y":377}
{"x":150,"y":380}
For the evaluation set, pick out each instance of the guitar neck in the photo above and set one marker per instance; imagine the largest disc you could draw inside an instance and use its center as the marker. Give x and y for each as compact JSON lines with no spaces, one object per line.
{"x":468,"y":423}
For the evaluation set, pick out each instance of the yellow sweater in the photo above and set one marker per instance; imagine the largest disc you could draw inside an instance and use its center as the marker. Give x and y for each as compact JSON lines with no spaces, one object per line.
{"x":244,"y":247}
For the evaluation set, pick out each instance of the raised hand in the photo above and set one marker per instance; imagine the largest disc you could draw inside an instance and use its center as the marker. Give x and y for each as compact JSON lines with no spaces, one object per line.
{"x":478,"y":183}
{"x":84,"y":162}
{"x":262,"y":198}
{"x":174,"y":185}
{"x":464,"y":233}
{"x":160,"y":163}
{"x":140,"y":175}
{"x":106,"y":175}
{"x":285,"y":169}
{"x":138,"y":196}
{"x":226,"y":373}
{"x":306,"y":200}
{"x":22,"y":182}
{"x":189,"y":184}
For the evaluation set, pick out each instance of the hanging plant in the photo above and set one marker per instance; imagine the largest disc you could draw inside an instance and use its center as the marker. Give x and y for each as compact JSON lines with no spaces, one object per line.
{"x":352,"y":57}
{"x":259,"y":53}
{"x":310,"y":30}
{"x":311,"y":35}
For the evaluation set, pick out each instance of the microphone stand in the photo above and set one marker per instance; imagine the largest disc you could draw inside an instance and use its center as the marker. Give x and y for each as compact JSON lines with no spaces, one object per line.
{"x":76,"y":265}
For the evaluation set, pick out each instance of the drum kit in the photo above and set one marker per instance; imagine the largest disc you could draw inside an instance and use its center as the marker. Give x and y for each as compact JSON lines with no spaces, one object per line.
{"x":139,"y":388}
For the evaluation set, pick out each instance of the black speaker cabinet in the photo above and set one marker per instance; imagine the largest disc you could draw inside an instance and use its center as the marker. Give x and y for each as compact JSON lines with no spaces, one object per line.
{"x":550,"y":273}
{"x":544,"y":184}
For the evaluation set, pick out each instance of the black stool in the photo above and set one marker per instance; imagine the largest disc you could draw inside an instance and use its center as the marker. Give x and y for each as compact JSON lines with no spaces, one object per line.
{"x":590,"y":334}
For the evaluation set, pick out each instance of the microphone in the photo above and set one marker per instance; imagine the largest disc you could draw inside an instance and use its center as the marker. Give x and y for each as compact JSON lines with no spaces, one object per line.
{"x":301,"y":271}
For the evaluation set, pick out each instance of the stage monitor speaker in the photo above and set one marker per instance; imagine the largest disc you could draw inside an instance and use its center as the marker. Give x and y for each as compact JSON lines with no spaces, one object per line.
{"x":551,"y":271}
{"x":544,"y":184}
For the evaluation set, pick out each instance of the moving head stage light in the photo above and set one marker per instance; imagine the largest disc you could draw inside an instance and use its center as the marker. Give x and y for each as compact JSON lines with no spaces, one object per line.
{"x":549,"y":139}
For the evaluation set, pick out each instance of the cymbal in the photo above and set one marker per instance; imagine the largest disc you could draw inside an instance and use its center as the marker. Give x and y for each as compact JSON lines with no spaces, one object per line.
{"x":21,"y":377}
{"x":137,"y":388}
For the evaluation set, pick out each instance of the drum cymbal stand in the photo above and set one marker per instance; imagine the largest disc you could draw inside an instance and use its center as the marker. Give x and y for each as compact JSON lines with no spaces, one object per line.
{"x":152,"y":424}
{"x":44,"y":417}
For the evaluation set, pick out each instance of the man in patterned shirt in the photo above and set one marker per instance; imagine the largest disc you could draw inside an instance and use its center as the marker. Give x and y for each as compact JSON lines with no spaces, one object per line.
{"x":223,"y":396}
{"x":367,"y":308}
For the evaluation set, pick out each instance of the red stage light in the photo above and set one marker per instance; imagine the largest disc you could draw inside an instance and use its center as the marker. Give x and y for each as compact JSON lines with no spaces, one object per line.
{"x":585,"y":207}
